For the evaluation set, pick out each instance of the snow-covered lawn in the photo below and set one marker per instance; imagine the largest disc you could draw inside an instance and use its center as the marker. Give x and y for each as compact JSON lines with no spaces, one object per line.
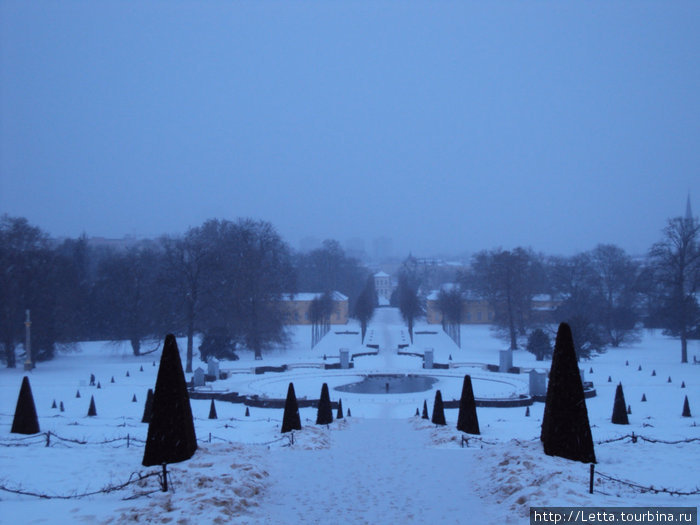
{"x":382,"y":465}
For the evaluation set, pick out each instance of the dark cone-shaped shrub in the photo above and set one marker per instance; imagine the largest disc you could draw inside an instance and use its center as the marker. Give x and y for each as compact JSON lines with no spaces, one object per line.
{"x":92,"y":411}
{"x":349,"y":414}
{"x":171,"y":437}
{"x":639,"y":369}
{"x":609,"y":379}
{"x":339,"y":414}
{"x":425,"y":410}
{"x":291,"y":420}
{"x":148,"y":407}
{"x":590,"y":371}
{"x":77,"y":393}
{"x":112,"y":380}
{"x":54,"y":405}
{"x":629,"y":410}
{"x":686,"y":408}
{"x":324,"y":416}
{"x":438,"y":410}
{"x":566,"y":431}
{"x":527,"y":412}
{"x":25,"y":420}
{"x":644,"y":398}
{"x":619,"y":414}
{"x":127,"y":373}
{"x":247,"y":412}
{"x":682,"y":384}
{"x":92,"y":379}
{"x":417,"y":412}
{"x":141,"y":369}
{"x":627,"y":363}
{"x":669,"y":379}
{"x":653,"y":373}
{"x":61,"y":407}
{"x":212,"y":410}
{"x":467,"y":420}
{"x":99,"y":385}
{"x":133,"y":399}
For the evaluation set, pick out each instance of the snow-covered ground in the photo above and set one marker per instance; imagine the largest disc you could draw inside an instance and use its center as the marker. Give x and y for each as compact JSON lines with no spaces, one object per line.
{"x":382,"y":465}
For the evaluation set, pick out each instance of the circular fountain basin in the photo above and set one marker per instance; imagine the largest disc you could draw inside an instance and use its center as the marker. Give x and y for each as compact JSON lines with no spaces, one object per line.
{"x":389,"y":384}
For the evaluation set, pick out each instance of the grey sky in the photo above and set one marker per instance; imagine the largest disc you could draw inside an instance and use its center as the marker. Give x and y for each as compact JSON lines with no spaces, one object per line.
{"x":447,"y":126}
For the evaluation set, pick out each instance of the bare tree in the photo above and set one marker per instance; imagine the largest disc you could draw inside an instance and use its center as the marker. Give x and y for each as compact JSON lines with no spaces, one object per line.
{"x":676,"y":263}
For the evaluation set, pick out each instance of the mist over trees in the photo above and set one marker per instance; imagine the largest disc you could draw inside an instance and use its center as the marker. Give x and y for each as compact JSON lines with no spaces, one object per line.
{"x":224,"y":281}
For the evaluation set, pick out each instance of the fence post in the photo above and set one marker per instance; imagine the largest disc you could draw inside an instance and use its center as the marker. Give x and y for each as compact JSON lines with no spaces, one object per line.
{"x":48,"y":438}
{"x":590,"y":486}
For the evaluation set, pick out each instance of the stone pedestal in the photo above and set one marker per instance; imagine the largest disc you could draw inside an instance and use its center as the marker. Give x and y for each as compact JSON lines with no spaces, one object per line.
{"x":428,"y":358}
{"x":505,"y":360}
{"x":538,"y":383}
{"x":344,"y":358}
{"x":213,"y":368}
{"x":198,"y":378}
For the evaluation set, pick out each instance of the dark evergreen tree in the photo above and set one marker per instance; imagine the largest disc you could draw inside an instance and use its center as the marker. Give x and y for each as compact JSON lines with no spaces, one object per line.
{"x":339,"y":415}
{"x":349,"y":414}
{"x":77,"y":393}
{"x":324,"y":416}
{"x":425,"y":410}
{"x":133,"y":399}
{"x":365,"y":304}
{"x":127,"y":373}
{"x":25,"y":420}
{"x":112,"y":380}
{"x":247,"y":412}
{"x":54,"y":405}
{"x":644,"y":398}
{"x":538,"y":343}
{"x":61,"y":407}
{"x":682,"y":384}
{"x":686,"y":408}
{"x":527,"y":412}
{"x":417,"y":413}
{"x":212,"y":410}
{"x":619,"y":415}
{"x":467,"y":420}
{"x":438,"y":410}
{"x":148,"y":407}
{"x":291,"y":420}
{"x":92,"y":411}
{"x":171,"y":436}
{"x":566,"y":431}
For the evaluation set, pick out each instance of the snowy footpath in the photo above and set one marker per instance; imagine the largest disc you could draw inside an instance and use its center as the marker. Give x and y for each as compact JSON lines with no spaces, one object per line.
{"x":373,"y":471}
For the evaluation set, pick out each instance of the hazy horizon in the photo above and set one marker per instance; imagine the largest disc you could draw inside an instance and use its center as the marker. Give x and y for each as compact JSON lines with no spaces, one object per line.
{"x":449,"y":128}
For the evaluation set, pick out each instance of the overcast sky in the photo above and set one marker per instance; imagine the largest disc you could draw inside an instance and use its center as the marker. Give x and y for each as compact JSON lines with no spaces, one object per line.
{"x":449,"y":127}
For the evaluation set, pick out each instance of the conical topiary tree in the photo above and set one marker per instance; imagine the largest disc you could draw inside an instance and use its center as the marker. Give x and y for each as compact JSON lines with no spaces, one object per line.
{"x":212,"y":410}
{"x":438,"y":410}
{"x":425,"y":410}
{"x":339,"y":414}
{"x":349,"y":413}
{"x":291,"y":420}
{"x":324,"y":416}
{"x":247,"y":412}
{"x":467,"y":420}
{"x":619,"y":415}
{"x":686,"y":408}
{"x":171,"y":436}
{"x":566,"y":431}
{"x":148,"y":407}
{"x":92,"y":411}
{"x":25,"y":420}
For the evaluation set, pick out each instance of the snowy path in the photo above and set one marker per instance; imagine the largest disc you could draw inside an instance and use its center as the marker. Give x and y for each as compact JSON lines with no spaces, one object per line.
{"x":388,"y":323}
{"x":376,"y":471}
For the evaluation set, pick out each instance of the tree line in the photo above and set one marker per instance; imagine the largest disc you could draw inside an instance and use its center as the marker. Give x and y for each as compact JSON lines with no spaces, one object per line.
{"x":223,"y":280}
{"x":604,"y":294}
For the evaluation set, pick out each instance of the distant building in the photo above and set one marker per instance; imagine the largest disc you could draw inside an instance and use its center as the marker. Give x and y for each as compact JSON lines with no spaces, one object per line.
{"x":479,"y":311}
{"x":297,"y":306}
{"x":382,"y":284}
{"x":474,"y":309}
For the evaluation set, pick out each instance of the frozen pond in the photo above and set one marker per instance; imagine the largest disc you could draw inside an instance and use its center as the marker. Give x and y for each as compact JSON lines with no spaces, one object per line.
{"x":389,"y":384}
